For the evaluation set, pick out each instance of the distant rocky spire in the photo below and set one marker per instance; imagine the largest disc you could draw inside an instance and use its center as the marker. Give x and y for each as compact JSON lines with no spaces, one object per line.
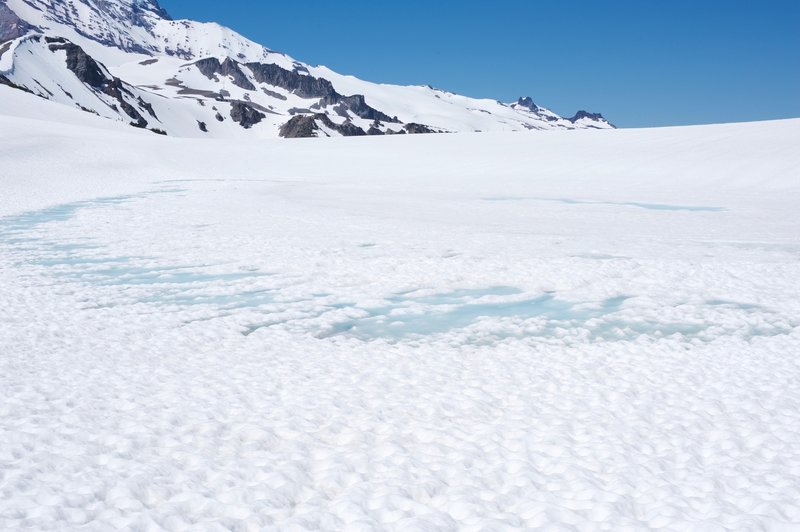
{"x":527,"y":102}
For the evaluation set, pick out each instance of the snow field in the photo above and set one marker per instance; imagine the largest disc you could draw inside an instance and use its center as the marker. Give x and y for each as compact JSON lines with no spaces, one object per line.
{"x":405,"y":334}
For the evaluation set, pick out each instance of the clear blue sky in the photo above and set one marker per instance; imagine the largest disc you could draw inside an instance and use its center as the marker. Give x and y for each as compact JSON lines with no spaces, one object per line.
{"x":639,"y":62}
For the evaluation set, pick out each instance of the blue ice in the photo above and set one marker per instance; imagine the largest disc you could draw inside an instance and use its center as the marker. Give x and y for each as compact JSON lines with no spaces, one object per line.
{"x":58,"y":213}
{"x":460,"y":309}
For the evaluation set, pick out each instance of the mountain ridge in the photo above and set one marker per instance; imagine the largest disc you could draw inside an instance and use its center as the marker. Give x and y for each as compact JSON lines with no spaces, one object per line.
{"x":128,"y":60}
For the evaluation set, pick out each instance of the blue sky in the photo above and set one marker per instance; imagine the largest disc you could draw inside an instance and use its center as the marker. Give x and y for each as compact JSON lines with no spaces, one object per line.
{"x":639,"y":62}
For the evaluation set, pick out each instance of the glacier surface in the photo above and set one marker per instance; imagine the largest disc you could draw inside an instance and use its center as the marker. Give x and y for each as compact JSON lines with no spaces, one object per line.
{"x":581,"y":330}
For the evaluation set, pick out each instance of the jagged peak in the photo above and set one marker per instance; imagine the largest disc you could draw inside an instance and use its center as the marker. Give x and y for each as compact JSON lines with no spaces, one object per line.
{"x":591,"y":117}
{"x":586,"y":114}
{"x":527,"y":102}
{"x":152,"y":6}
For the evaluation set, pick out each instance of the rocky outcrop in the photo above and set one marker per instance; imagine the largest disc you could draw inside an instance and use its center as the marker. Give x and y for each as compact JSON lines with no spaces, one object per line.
{"x":146,"y":106}
{"x":593,"y":117}
{"x":302,"y":85}
{"x":300,"y":126}
{"x":416,"y":129}
{"x":304,"y":126}
{"x":273,"y":94}
{"x":245,"y":114}
{"x":357,"y":104}
{"x":307,"y":86}
{"x":585,"y":114}
{"x":211,"y":68}
{"x":115,"y":89}
{"x":140,"y":7}
{"x":527,"y":103}
{"x":80,"y":63}
{"x":348,"y":129}
{"x":91,"y":73}
{"x":375,"y":128}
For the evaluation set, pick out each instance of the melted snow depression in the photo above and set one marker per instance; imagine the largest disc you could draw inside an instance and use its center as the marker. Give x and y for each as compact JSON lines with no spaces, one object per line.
{"x":568,"y":329}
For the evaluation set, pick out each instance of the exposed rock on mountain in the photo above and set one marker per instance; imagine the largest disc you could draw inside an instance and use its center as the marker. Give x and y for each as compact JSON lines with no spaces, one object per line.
{"x":127,"y":60}
{"x":416,"y":129}
{"x":11,"y":26}
{"x":214,"y":70}
{"x":590,"y":119}
{"x":527,"y":103}
{"x":246,"y":115}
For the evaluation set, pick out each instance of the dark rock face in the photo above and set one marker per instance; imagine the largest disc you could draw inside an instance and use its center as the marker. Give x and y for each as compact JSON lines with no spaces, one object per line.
{"x":348,"y":129}
{"x":340,"y":110}
{"x":81,"y":64}
{"x":300,"y":126}
{"x":597,"y":117}
{"x":584,"y":114}
{"x":416,"y":129}
{"x":375,"y":128}
{"x":307,"y":86}
{"x":146,"y":106}
{"x":160,"y":11}
{"x":246,"y":115}
{"x":92,"y":74}
{"x":152,"y":6}
{"x":358,"y":105}
{"x":527,"y":103}
{"x":210,"y":67}
{"x":302,"y":85}
{"x":116,"y":92}
{"x":274,"y":94}
{"x":231,"y":68}
{"x":304,"y":126}
{"x":202,"y":126}
{"x":11,"y":26}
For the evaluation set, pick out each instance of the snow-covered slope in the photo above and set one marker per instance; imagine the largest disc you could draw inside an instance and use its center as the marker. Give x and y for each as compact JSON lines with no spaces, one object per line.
{"x":187,"y":79}
{"x":566,"y":330}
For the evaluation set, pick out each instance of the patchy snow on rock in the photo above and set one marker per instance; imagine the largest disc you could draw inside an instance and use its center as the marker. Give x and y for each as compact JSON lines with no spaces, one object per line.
{"x":167,"y":63}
